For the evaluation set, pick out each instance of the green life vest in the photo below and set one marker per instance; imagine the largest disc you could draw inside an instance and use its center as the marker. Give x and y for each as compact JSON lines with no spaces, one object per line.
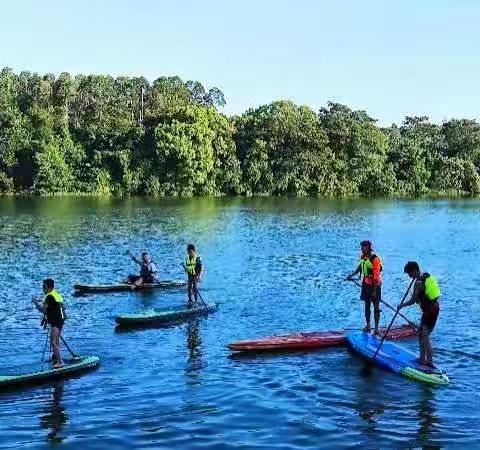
{"x":57,"y":297}
{"x":191,"y":264}
{"x":366,"y":265}
{"x":58,"y":300}
{"x":432,"y":290}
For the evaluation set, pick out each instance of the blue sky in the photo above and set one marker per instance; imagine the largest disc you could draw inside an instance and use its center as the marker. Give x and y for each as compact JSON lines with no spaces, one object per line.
{"x":389,"y":58}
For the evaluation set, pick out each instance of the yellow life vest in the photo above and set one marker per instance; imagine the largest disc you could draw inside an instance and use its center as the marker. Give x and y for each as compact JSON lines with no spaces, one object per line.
{"x":191,"y":264}
{"x":432,"y":290}
{"x":57,"y":297}
{"x":366,"y":265}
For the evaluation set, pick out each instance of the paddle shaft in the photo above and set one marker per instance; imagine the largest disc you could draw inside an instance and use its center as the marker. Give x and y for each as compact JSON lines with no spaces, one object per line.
{"x":45,"y":346}
{"x":403,"y":316}
{"x":68,"y":348}
{"x":393,"y":319}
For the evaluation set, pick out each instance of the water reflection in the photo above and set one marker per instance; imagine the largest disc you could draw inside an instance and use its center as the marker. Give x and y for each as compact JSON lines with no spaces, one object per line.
{"x":194,"y":341}
{"x":427,"y":414}
{"x":55,"y":416}
{"x":369,"y":406}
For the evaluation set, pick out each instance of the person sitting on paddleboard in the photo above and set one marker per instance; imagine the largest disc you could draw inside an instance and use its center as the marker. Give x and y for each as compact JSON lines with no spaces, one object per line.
{"x":53,"y":315}
{"x":194,"y":268}
{"x":148,"y":271}
{"x":369,"y":268}
{"x":426,"y":292}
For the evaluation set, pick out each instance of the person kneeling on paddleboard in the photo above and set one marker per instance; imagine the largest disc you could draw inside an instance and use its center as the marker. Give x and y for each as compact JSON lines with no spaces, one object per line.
{"x":148,"y":271}
{"x":53,"y":315}
{"x":426,"y":292}
{"x":194,"y":268}
{"x":369,"y":268}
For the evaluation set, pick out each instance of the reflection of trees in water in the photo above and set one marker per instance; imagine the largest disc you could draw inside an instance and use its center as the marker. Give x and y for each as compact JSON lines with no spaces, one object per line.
{"x":55,"y":416}
{"x":67,"y":222}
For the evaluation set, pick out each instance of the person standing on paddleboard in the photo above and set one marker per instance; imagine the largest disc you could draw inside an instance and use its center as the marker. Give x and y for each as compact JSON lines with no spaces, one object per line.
{"x":426,"y":293}
{"x":53,"y":315}
{"x":194,"y":268}
{"x":369,"y":268}
{"x":148,"y":271}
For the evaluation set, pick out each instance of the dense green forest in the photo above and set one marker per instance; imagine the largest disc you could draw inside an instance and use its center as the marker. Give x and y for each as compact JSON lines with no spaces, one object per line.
{"x":126,"y":136}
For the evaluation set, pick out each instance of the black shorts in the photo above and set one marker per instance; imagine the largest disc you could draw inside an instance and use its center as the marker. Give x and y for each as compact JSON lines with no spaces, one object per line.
{"x":431,"y":310}
{"x":57,"y":324}
{"x":367,"y":293}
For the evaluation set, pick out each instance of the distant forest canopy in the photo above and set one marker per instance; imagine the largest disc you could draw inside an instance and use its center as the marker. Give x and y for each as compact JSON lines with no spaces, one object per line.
{"x":95,"y":134}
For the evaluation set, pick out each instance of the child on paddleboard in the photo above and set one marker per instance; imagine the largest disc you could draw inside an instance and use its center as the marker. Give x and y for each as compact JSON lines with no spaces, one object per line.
{"x":194,"y":268}
{"x":53,"y":315}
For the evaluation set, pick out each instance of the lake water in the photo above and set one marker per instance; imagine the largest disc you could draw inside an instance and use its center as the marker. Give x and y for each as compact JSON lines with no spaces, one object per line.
{"x":276,"y":266}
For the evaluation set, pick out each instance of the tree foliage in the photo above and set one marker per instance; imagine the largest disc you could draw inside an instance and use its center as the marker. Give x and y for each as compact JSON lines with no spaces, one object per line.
{"x":126,"y":136}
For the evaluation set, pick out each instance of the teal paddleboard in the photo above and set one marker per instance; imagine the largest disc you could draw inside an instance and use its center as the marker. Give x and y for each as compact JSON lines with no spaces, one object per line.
{"x":34,"y":373}
{"x":164,"y":315}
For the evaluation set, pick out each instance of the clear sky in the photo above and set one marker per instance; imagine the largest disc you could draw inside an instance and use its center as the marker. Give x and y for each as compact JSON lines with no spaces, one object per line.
{"x":391,"y":58}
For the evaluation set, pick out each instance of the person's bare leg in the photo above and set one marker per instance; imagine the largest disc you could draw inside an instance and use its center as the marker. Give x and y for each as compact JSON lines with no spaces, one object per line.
{"x":376,"y":314}
{"x":428,"y":348}
{"x":55,"y":341}
{"x":367,"y":315}
{"x":137,"y":283}
{"x":190,"y":289}
{"x":421,"y":341}
{"x":195,"y":291}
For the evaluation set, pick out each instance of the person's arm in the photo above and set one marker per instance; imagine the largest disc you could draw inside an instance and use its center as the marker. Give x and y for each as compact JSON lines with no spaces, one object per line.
{"x":153,"y":269}
{"x":42,"y":307}
{"x":64,"y":312}
{"x":357,"y":271}
{"x":376,"y":271}
{"x":415,"y":295}
{"x":199,"y":266}
{"x":134,"y":259}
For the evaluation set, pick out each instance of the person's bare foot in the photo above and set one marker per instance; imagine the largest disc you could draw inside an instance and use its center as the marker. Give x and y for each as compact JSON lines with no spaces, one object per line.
{"x":58,"y":365}
{"x":376,"y":332}
{"x":367,"y":329}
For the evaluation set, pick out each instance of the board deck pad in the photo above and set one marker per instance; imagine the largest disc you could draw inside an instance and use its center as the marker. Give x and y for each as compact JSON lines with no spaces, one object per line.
{"x":43,"y":371}
{"x":309,"y":340}
{"x":394,"y":358}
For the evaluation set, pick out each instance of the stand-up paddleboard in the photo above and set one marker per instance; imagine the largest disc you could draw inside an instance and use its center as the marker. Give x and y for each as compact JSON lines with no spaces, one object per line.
{"x":164,"y":315}
{"x":38,"y":372}
{"x":395,"y":358}
{"x":122,"y":287}
{"x":312,"y":340}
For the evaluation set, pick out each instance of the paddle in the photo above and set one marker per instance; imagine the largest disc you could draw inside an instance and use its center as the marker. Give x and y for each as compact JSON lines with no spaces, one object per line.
{"x":196,"y":290}
{"x":45,"y":346}
{"x":393,"y":319}
{"x":414,"y":325}
{"x":74,"y":355}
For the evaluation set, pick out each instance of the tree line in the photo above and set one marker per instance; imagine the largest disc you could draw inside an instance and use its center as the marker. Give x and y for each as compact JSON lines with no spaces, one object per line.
{"x":95,"y":134}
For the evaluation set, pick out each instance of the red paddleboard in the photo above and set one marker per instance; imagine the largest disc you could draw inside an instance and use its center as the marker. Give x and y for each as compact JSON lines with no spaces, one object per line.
{"x":319,"y":339}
